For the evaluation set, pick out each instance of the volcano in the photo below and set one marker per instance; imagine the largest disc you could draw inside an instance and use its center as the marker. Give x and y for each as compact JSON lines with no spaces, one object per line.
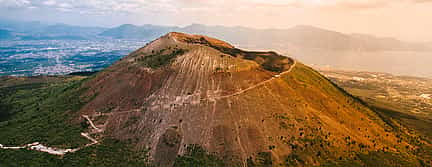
{"x":183,"y":96}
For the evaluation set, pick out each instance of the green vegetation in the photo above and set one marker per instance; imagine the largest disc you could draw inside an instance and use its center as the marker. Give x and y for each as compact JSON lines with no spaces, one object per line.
{"x":309,"y":76}
{"x":263,"y":159}
{"x":423,"y":148}
{"x":6,"y":104}
{"x":396,"y":111}
{"x":196,"y":156}
{"x":108,"y":153}
{"x":160,"y":58}
{"x":218,"y":69}
{"x":392,"y":96}
{"x":274,"y":63}
{"x":131,"y":121}
{"x":269,"y":60}
{"x":309,"y":149}
{"x":44,"y":112}
{"x":84,"y":73}
{"x":307,"y":146}
{"x":378,"y":158}
{"x":47,"y":112}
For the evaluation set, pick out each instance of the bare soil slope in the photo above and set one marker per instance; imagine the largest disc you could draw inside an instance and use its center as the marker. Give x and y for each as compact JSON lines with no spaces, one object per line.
{"x":247,"y":108}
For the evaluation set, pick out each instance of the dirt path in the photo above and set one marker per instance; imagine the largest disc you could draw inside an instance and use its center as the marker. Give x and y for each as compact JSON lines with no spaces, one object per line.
{"x":259,"y":84}
{"x":116,"y":113}
{"x":210,"y":98}
{"x":59,"y":151}
{"x":91,"y":123}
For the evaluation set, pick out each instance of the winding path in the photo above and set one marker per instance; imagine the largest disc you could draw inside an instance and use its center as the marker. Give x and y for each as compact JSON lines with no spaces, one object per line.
{"x":258,"y":84}
{"x":59,"y":151}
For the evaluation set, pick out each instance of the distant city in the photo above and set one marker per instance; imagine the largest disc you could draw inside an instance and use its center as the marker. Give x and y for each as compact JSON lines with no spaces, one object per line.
{"x":36,"y":48}
{"x":53,"y":57}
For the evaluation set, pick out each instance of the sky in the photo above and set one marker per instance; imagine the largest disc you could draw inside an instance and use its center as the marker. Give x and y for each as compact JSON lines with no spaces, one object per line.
{"x":408,"y":20}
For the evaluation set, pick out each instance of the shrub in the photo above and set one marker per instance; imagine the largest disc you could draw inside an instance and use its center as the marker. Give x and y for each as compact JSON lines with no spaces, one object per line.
{"x":156,"y":60}
{"x":196,"y":156}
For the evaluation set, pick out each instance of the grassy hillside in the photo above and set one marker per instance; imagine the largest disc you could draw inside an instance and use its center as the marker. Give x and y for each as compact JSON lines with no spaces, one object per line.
{"x":396,"y":100}
{"x":417,"y":153}
{"x":332,"y":153}
{"x":35,"y":110}
{"x":41,"y":112}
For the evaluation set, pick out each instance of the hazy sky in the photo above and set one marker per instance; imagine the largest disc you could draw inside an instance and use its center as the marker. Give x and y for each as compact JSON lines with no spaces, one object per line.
{"x":405,"y":19}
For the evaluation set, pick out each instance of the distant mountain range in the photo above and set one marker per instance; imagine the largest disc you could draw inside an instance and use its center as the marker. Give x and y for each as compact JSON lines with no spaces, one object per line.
{"x":129,"y":31}
{"x":40,"y":31}
{"x":296,"y":37}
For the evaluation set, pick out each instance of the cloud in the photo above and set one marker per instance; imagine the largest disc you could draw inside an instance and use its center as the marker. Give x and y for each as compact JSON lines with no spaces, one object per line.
{"x":49,"y":2}
{"x":14,"y":3}
{"x":422,"y":1}
{"x":65,"y":5}
{"x":360,"y":4}
{"x":363,"y":4}
{"x":175,"y":6}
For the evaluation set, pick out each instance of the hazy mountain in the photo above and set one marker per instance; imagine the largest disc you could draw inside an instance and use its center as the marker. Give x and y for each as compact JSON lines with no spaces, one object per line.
{"x":302,"y":37}
{"x":387,"y":43}
{"x":63,"y":29}
{"x":21,"y":26}
{"x":37,"y":30}
{"x":129,"y":31}
{"x":305,"y":37}
{"x":310,"y":44}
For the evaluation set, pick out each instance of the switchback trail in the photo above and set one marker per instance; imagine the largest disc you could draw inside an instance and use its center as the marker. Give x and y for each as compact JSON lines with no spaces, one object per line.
{"x":210,"y":98}
{"x":215,"y":97}
{"x":60,"y":151}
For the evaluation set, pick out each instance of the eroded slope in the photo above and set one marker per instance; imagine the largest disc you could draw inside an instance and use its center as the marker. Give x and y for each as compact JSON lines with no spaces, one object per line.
{"x":245,"y":107}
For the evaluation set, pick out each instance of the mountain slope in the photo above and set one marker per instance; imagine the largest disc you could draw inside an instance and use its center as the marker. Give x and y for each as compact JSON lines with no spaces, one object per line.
{"x":182,"y":94}
{"x":191,"y":100}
